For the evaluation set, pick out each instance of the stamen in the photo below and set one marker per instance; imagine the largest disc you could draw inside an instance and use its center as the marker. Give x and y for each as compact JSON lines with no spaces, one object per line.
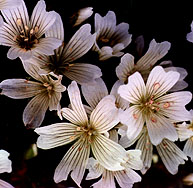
{"x":36,"y":29}
{"x":166,"y":105}
{"x":46,"y":84}
{"x":19,"y":21}
{"x":31,"y":31}
{"x":78,"y":128}
{"x":26,"y":28}
{"x":153,"y":119}
{"x":72,"y":138}
{"x":135,"y":116}
{"x":156,"y":86}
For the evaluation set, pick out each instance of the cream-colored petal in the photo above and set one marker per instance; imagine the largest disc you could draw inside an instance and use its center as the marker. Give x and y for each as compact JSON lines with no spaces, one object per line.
{"x":183,"y":132}
{"x":171,"y":155}
{"x":55,"y":135}
{"x":134,"y":90}
{"x":132,"y":118}
{"x":76,"y":103}
{"x":75,"y":160}
{"x":105,"y":115}
{"x":108,"y":153}
{"x":159,"y":82}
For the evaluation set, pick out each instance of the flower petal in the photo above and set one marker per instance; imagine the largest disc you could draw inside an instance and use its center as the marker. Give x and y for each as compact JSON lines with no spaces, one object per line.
{"x":79,"y":44}
{"x":159,"y":128}
{"x":94,"y":92}
{"x":105,"y":116}
{"x":75,"y":160}
{"x":76,"y":103}
{"x":171,"y":155}
{"x":125,"y":68}
{"x":188,"y":148}
{"x":108,"y":153}
{"x":5,"y":184}
{"x":55,"y":135}
{"x":47,"y":45}
{"x":35,"y":110}
{"x":134,"y":90}
{"x":83,"y":73}
{"x":155,"y":52}
{"x":159,"y":82}
{"x":57,"y":29}
{"x":20,"y":88}
{"x":41,"y":18}
{"x":146,"y":148}
{"x":7,"y":4}
{"x":132,"y":118}
{"x":5,"y":163}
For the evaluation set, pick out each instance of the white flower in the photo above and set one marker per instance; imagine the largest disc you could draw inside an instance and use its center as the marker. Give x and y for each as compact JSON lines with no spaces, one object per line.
{"x":5,"y":166}
{"x":150,"y":106}
{"x":185,"y":132}
{"x":62,"y":62}
{"x":111,"y":38}
{"x":125,"y":178}
{"x":46,"y":93}
{"x":24,"y":35}
{"x":7,"y":4}
{"x":144,"y":65}
{"x":87,"y":134}
{"x":83,"y":14}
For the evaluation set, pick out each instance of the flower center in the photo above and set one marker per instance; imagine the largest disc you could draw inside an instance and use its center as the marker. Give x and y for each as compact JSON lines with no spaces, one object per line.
{"x":26,"y":37}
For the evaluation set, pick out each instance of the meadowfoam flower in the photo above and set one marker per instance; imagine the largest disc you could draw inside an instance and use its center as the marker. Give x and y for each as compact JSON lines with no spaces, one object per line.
{"x":46,"y":93}
{"x":144,"y":65}
{"x":152,"y":107}
{"x":62,"y":62}
{"x":125,"y":178}
{"x":7,"y":4}
{"x":5,"y":166}
{"x":185,"y":132}
{"x":171,"y":155}
{"x":110,"y":38}
{"x":24,"y":35}
{"x":87,"y":135}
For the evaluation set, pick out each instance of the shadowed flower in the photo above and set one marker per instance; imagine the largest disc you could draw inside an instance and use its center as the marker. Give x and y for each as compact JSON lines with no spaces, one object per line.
{"x":5,"y":166}
{"x":185,"y":132}
{"x":7,"y":4}
{"x":189,"y":36}
{"x":62,"y":62}
{"x":24,"y":35}
{"x":110,"y":38}
{"x":86,"y":133}
{"x":97,"y":90}
{"x":46,"y":93}
{"x":170,"y":154}
{"x":150,"y":106}
{"x":125,"y":178}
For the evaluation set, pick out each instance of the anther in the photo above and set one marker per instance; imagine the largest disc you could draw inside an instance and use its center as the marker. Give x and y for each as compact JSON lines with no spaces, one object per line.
{"x":153,"y":119}
{"x":36,"y":29}
{"x":166,"y":105}
{"x":19,"y":21}
{"x":135,"y":116}
{"x":156,"y":86}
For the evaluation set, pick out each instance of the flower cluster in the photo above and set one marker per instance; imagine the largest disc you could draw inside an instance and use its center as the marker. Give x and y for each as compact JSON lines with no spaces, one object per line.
{"x":111,"y":133}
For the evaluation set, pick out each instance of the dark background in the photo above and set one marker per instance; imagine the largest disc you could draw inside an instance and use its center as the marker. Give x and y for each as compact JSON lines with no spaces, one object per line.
{"x":162,"y":20}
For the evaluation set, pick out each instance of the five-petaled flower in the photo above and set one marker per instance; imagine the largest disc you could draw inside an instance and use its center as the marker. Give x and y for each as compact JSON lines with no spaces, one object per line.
{"x":46,"y":93}
{"x":86,"y":133}
{"x":151,"y":106}
{"x":24,"y":35}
